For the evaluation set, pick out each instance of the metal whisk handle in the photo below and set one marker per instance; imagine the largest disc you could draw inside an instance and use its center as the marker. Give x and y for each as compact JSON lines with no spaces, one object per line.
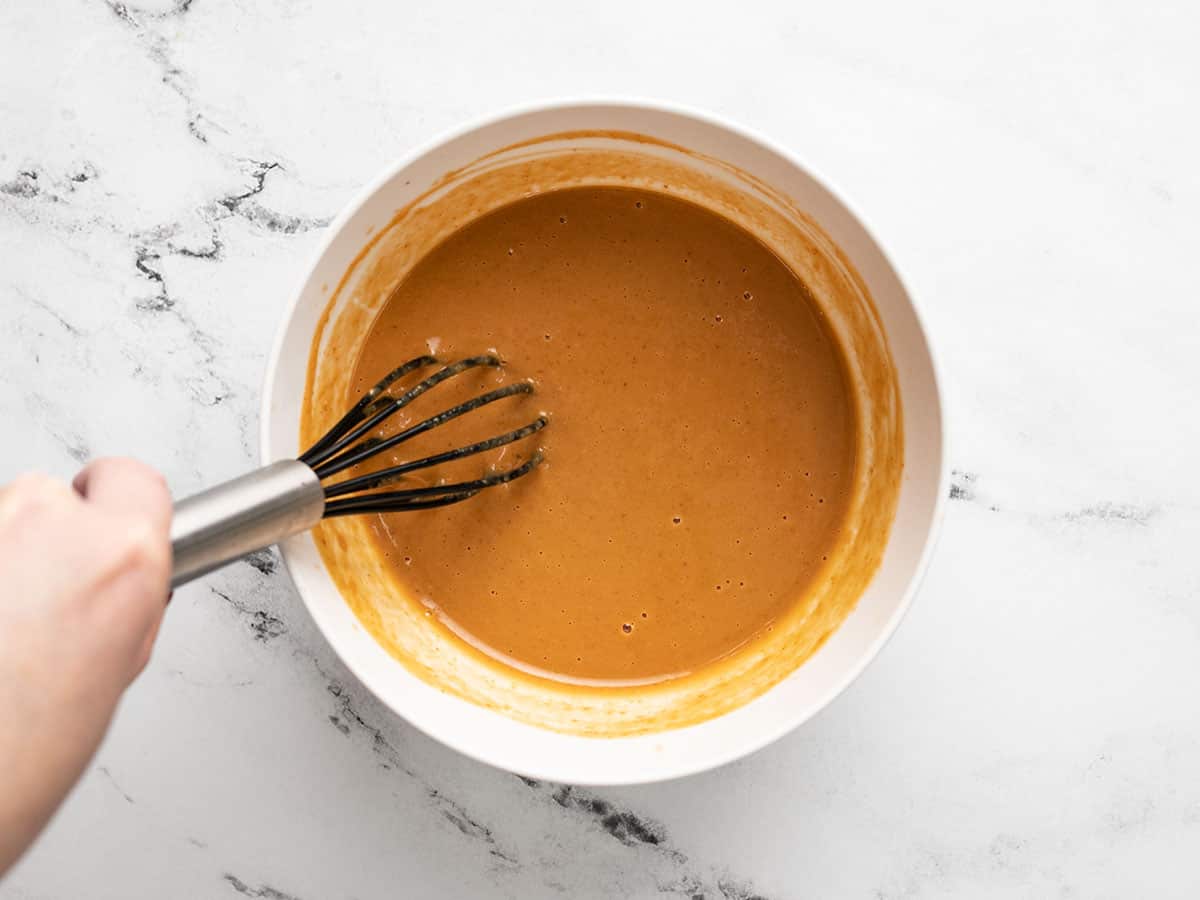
{"x":226,"y":522}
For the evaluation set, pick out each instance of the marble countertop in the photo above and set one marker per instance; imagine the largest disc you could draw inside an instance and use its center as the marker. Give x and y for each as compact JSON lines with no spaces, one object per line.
{"x":1033,"y":730}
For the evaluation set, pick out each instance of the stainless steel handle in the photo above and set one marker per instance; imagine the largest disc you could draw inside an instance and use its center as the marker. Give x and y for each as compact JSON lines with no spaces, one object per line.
{"x":228,"y":521}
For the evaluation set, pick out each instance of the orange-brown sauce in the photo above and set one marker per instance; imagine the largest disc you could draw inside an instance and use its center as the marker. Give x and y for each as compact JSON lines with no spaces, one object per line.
{"x":701,"y":448}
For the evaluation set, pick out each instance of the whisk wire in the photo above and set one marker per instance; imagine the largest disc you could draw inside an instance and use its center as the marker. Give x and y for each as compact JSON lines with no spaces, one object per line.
{"x":351,"y":441}
{"x":380,"y":406}
{"x":394,"y":473}
{"x":353,"y":456}
{"x":358,"y":412}
{"x":392,"y":501}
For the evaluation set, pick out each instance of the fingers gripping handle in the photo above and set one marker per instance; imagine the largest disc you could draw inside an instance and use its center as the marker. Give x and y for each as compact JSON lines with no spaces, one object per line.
{"x":249,"y":513}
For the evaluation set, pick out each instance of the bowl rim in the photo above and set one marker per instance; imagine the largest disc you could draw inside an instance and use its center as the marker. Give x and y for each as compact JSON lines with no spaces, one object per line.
{"x":783,"y":724}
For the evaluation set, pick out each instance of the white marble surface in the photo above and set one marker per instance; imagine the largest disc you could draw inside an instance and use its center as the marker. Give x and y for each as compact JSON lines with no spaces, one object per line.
{"x":1034,"y":728}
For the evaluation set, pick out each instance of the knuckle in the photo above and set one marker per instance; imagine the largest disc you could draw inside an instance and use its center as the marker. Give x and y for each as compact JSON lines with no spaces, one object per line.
{"x":142,"y":547}
{"x":158,"y":481}
{"x":118,"y":465}
{"x":128,"y":469}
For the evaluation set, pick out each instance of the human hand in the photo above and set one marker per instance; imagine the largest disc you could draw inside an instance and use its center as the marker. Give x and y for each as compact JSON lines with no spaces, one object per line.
{"x":84,"y":574}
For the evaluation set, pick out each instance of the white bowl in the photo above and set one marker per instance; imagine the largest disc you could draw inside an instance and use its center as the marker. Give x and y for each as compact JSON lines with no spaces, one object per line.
{"x":489,"y":736}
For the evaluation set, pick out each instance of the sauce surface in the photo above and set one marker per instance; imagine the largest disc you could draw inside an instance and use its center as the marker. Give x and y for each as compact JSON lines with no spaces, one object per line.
{"x":700,"y":454}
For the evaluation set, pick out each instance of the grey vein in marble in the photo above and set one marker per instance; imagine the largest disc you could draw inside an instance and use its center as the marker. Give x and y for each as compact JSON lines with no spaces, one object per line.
{"x":347,"y":718}
{"x":624,"y":826}
{"x":963,"y":487}
{"x":265,"y":891}
{"x":103,"y":770}
{"x":264,"y":625}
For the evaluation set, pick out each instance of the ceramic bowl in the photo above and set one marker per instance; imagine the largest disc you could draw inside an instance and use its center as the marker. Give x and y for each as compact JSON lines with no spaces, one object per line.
{"x":546,"y":754}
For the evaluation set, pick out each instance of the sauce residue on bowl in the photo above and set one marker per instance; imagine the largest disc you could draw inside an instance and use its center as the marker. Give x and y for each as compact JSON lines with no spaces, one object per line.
{"x":723,"y":461}
{"x":700,"y":452}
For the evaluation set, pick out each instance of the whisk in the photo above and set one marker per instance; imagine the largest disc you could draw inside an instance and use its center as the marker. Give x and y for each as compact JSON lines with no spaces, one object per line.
{"x":236,"y":518}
